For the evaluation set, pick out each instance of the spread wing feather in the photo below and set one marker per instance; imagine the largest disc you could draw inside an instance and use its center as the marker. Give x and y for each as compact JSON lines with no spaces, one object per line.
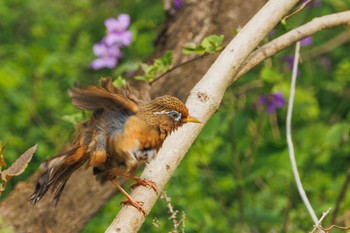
{"x":110,"y":113}
{"x":100,"y":97}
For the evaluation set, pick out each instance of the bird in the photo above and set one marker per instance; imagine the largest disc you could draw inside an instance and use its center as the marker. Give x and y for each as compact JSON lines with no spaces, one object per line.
{"x":121,"y":133}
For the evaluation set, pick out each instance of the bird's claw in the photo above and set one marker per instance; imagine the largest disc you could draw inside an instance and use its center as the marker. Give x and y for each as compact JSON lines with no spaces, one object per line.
{"x":137,"y":204}
{"x":148,"y":184}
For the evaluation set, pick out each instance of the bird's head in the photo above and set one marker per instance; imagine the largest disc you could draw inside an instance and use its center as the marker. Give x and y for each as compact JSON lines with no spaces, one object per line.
{"x":166,"y":113}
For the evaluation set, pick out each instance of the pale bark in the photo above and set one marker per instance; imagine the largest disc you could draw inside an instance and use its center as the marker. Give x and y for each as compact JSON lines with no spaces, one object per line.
{"x":203,"y":101}
{"x":83,"y":196}
{"x":286,"y":40}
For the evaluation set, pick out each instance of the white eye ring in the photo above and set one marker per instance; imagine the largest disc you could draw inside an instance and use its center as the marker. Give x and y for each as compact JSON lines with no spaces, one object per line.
{"x":175,"y":115}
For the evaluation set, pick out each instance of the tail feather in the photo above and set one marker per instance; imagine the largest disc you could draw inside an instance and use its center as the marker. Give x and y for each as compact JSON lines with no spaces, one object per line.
{"x":43,"y":182}
{"x":41,"y":186}
{"x":56,"y":174}
{"x":60,"y":177}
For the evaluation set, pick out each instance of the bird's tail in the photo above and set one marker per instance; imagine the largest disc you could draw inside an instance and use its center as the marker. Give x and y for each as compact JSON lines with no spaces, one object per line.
{"x":56,"y":173}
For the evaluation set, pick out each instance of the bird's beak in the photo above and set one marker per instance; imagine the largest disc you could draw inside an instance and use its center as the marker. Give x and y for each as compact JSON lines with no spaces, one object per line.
{"x":191,"y":119}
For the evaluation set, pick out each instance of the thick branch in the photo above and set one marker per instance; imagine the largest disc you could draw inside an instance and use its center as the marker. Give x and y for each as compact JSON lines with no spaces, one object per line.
{"x":291,"y":37}
{"x":203,"y":102}
{"x":83,"y":196}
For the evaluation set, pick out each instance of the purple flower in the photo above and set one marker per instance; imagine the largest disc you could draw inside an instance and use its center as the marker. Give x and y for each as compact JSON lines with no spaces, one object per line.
{"x":117,"y":31}
{"x":107,"y":56}
{"x":108,"y":50}
{"x":120,"y":38}
{"x":306,"y":41}
{"x":119,"y":24}
{"x":177,"y":4}
{"x":272,"y":101}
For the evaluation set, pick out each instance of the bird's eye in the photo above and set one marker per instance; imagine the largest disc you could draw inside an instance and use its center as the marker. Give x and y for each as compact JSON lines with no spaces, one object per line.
{"x":175,"y":115}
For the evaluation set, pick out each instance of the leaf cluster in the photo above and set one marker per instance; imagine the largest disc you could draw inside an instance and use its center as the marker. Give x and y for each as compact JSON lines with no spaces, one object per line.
{"x":210,"y":44}
{"x":237,"y":176}
{"x":160,"y":66}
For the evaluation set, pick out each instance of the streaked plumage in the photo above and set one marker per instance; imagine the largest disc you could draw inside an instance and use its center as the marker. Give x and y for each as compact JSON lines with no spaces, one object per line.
{"x":121,"y":133}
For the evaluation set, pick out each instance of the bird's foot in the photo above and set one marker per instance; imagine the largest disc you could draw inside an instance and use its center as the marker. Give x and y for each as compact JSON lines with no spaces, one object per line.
{"x":130,"y":201}
{"x":142,"y":182}
{"x":137,"y":204}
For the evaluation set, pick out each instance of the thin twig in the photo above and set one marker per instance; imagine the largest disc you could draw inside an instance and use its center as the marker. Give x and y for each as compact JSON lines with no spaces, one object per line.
{"x":289,"y":137}
{"x":334,"y":226}
{"x":287,"y":39}
{"x":203,"y":101}
{"x":302,"y":6}
{"x":318,"y":223}
{"x":335,"y":42}
{"x":172,"y":211}
{"x":180,"y":65}
{"x":183,"y":218}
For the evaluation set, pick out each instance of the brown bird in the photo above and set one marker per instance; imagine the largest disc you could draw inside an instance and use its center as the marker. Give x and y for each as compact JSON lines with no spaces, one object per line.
{"x":122,"y":133}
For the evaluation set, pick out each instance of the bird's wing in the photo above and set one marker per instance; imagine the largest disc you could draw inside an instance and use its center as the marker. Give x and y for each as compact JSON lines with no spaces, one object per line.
{"x":104,"y":96}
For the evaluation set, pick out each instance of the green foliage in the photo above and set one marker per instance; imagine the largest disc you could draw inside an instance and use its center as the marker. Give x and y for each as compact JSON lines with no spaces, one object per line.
{"x":237,"y":175}
{"x":284,"y":24}
{"x":210,"y":44}
{"x":159,"y":66}
{"x":46,"y":47}
{"x":119,"y":81}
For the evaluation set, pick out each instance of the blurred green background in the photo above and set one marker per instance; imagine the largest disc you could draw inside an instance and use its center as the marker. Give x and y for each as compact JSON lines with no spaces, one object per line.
{"x":237,"y":176}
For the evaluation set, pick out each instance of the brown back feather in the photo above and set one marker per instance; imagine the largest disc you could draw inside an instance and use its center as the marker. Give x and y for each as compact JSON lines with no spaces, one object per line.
{"x":101,"y":97}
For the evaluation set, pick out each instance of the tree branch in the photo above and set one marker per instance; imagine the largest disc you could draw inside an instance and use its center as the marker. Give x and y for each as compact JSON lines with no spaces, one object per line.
{"x":284,"y":41}
{"x":203,"y":102}
{"x":318,"y":223}
{"x":329,"y":46}
{"x":218,"y":17}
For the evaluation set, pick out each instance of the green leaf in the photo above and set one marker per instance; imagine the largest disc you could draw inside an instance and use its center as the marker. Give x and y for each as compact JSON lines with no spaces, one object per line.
{"x":147,"y":78}
{"x":159,"y":66}
{"x":212,"y":43}
{"x":284,"y":24}
{"x":163,"y":64}
{"x":145,"y":67}
{"x":119,"y":82}
{"x":191,"y":48}
{"x":140,"y":77}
